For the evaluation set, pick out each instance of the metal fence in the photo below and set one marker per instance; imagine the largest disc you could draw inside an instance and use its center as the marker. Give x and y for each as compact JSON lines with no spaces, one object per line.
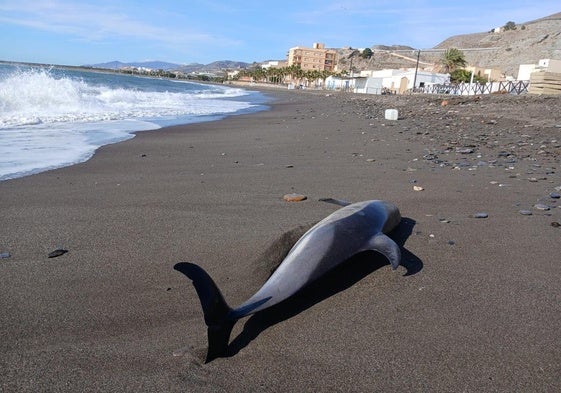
{"x":508,"y":87}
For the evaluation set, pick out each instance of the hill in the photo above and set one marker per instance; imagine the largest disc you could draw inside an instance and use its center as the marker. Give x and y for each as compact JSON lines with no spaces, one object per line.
{"x":154,"y":65}
{"x":531,"y":41}
{"x":504,"y":50}
{"x":186,"y":68}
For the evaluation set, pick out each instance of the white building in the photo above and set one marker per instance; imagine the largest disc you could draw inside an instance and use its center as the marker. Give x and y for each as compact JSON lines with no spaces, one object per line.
{"x":340,"y":83}
{"x":548,"y":65}
{"x":397,"y":81}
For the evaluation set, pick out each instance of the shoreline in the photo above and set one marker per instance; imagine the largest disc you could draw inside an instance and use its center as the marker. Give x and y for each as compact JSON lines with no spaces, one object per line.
{"x":101,"y":133}
{"x":480,"y":307}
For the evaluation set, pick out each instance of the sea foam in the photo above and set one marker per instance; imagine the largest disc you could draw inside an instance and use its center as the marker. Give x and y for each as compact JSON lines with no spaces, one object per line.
{"x":51,"y":118}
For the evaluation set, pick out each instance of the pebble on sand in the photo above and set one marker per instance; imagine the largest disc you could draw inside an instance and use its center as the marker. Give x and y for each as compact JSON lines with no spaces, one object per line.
{"x":4,"y":255}
{"x":57,"y":253}
{"x":294,"y":197}
{"x":541,"y":206}
{"x":525,"y":212}
{"x":480,"y":215}
{"x":418,"y":188}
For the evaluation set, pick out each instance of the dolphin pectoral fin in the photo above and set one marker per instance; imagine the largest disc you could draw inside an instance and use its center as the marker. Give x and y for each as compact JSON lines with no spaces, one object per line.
{"x":387,"y":247}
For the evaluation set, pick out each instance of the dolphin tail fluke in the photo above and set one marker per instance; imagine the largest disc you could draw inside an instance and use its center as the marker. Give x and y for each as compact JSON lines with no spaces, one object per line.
{"x":387,"y":247}
{"x":216,"y":310}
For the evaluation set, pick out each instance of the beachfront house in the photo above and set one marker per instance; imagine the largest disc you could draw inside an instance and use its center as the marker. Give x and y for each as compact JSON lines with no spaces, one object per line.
{"x":341,"y":83}
{"x":396,"y":81}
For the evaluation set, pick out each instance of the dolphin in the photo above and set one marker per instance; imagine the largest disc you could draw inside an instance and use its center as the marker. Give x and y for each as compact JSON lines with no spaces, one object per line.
{"x":350,"y":230}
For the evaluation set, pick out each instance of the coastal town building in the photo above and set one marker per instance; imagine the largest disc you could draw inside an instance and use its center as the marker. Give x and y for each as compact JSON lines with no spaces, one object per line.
{"x":397,"y":81}
{"x":545,"y":65}
{"x":492,"y":74}
{"x":316,"y":58}
{"x":273,"y":64}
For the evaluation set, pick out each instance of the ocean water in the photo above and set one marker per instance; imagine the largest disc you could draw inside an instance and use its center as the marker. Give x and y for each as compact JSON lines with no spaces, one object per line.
{"x":50,"y":118}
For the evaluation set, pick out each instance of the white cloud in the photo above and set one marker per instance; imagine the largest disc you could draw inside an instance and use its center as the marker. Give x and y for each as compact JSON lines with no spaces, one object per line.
{"x":97,"y":22}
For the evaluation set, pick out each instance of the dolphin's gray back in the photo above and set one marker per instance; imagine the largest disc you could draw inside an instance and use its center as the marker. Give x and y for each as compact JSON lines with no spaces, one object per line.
{"x":336,"y":238}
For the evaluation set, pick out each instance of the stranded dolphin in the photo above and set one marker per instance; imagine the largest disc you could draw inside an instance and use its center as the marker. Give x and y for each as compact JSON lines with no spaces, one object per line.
{"x":352,"y":229}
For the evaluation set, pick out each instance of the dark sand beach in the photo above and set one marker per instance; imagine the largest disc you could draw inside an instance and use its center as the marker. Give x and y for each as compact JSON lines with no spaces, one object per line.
{"x":475,"y":307}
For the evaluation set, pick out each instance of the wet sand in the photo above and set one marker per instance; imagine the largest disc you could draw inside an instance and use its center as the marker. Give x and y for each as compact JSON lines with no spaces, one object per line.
{"x":476,"y":305}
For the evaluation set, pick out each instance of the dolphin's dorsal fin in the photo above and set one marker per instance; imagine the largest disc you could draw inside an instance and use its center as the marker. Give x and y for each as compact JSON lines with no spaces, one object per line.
{"x":387,"y":247}
{"x":335,"y":201}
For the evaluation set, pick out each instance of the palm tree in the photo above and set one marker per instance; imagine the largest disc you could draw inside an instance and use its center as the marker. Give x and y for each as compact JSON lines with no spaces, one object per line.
{"x":452,"y":59}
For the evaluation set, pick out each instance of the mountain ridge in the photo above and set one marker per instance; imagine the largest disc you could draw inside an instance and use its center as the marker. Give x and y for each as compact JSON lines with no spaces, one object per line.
{"x":505,"y":50}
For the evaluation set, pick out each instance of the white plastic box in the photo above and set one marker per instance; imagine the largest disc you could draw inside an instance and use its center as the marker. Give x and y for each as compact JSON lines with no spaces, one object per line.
{"x":391,"y":114}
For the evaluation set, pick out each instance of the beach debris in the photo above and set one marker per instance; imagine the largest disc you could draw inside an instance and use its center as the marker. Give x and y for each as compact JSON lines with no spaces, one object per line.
{"x":444,"y":103}
{"x":57,"y":253}
{"x":4,"y":255}
{"x":418,"y":188}
{"x":555,"y":224}
{"x":525,"y":212}
{"x":294,"y":197}
{"x":391,"y":114}
{"x":480,"y":215}
{"x":541,"y":206}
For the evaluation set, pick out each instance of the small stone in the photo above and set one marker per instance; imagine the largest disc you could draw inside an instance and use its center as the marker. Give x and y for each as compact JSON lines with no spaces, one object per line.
{"x":465,"y":150}
{"x":444,"y":103}
{"x":555,"y":195}
{"x":451,"y":242}
{"x":289,"y":166}
{"x":525,"y":212}
{"x":555,"y":224}
{"x":418,"y":188}
{"x":294,"y":197}
{"x":532,"y":180}
{"x":444,"y":220}
{"x":57,"y":253}
{"x":4,"y":255}
{"x":541,"y":206}
{"x":370,"y":160}
{"x":480,"y":215}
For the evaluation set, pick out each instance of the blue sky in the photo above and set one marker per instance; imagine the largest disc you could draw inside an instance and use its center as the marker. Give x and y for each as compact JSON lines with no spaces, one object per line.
{"x":95,"y":31}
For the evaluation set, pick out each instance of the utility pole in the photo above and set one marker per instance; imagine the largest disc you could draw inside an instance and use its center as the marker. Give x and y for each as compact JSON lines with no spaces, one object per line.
{"x":416,"y":68}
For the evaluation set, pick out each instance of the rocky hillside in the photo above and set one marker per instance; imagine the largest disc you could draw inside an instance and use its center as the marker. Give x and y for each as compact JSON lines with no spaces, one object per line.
{"x":531,"y":41}
{"x":505,"y":50}
{"x":394,"y":56}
